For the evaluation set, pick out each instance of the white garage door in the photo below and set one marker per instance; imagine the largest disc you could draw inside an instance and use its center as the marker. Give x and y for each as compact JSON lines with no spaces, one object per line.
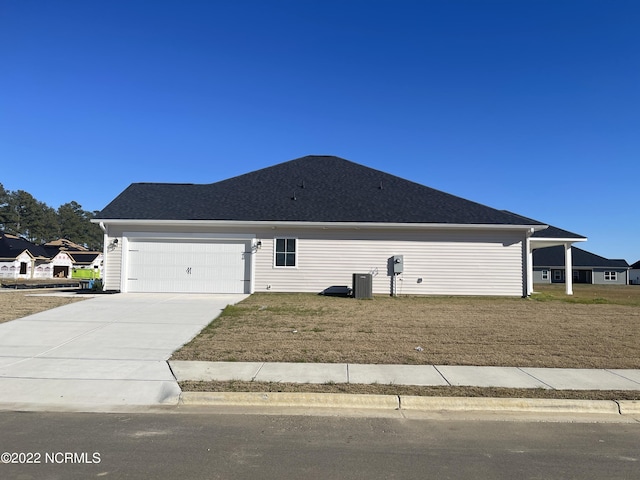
{"x":187,"y":266}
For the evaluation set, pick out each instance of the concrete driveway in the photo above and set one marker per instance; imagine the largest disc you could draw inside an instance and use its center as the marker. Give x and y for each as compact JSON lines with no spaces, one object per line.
{"x":101,"y":353}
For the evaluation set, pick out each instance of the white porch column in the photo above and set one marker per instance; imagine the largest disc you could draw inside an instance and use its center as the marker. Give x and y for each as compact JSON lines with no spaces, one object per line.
{"x":529,"y":268}
{"x":568,"y":269}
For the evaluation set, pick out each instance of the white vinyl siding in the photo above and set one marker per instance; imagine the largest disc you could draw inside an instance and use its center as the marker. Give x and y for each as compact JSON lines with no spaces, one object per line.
{"x":461,"y":263}
{"x":436,"y":262}
{"x":113,"y":265}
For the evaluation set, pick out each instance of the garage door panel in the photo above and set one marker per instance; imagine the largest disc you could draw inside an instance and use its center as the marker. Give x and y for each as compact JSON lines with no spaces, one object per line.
{"x":187,"y":266}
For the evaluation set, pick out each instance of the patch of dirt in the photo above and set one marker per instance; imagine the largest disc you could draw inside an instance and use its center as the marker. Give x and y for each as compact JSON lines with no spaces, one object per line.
{"x":20,"y":303}
{"x":377,"y":389}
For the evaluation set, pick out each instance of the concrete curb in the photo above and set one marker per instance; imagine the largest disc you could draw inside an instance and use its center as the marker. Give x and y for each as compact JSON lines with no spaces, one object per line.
{"x":410,"y":403}
{"x":535,"y":405}
{"x":629,"y":407}
{"x":282,"y":399}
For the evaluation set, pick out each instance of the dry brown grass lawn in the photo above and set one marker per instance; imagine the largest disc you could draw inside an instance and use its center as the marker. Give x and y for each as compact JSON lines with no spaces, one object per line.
{"x":20,"y":303}
{"x":598,"y":327}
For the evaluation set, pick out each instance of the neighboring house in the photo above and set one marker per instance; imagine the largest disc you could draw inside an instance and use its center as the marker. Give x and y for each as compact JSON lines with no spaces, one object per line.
{"x":310,"y":224}
{"x":21,"y":259}
{"x":64,"y":244}
{"x":634,"y":273}
{"x":71,"y":260}
{"x":549,"y":267}
{"x":62,"y":265}
{"x":86,"y":264}
{"x":77,"y":264}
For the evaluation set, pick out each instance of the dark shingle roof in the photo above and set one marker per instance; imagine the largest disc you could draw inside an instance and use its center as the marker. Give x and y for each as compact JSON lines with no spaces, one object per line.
{"x":307,"y":189}
{"x":554,"y":257}
{"x":12,"y":246}
{"x":555,"y":232}
{"x":636,"y":265}
{"x":551,"y":232}
{"x":82,"y":257}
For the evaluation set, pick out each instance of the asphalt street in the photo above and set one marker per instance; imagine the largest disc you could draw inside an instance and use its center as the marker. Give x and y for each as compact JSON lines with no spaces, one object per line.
{"x":210,"y":445}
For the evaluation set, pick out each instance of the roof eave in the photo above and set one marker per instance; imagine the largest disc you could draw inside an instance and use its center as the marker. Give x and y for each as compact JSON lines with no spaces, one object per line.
{"x":353,"y":225}
{"x":553,"y":242}
{"x":576,"y":267}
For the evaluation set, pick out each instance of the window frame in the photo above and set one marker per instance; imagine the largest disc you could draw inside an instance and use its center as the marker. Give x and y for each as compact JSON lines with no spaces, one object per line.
{"x":286,"y":252}
{"x":610,"y":276}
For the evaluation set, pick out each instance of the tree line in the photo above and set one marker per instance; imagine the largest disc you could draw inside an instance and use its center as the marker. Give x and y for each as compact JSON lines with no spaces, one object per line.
{"x":24,"y":216}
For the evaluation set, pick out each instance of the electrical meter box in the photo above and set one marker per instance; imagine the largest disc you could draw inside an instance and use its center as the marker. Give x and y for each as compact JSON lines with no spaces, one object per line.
{"x":398,"y":264}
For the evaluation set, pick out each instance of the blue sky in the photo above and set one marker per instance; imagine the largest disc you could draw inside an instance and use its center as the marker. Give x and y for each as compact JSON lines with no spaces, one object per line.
{"x":529,"y":106}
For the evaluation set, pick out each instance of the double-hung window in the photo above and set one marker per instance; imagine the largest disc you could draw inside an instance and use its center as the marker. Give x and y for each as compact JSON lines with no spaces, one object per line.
{"x":611,"y":276}
{"x":285,"y":252}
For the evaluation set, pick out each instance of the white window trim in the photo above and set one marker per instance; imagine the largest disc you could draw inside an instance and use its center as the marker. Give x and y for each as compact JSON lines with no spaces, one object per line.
{"x":297,"y":252}
{"x":610,"y":276}
{"x":545,"y":274}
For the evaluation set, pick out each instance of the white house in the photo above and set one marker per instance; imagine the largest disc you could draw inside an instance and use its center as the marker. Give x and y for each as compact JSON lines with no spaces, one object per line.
{"x":76,"y":264}
{"x":62,"y":265}
{"x":310,"y":224}
{"x":20,"y":259}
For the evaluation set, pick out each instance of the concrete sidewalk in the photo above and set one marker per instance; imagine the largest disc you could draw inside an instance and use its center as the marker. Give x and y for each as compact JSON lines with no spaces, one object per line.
{"x":422,"y":375}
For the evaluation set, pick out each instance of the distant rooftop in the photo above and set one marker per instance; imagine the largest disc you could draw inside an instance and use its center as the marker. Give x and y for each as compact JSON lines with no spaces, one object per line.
{"x":554,"y":257}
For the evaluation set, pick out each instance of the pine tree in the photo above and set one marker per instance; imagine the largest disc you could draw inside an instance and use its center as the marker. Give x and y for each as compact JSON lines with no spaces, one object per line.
{"x":22,"y":215}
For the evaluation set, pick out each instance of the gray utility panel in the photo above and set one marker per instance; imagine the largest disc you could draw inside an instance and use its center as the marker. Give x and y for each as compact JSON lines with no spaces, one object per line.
{"x":398,"y":264}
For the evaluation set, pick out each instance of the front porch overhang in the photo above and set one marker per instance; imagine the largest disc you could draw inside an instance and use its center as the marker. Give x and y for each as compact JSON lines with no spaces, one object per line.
{"x":535,"y":243}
